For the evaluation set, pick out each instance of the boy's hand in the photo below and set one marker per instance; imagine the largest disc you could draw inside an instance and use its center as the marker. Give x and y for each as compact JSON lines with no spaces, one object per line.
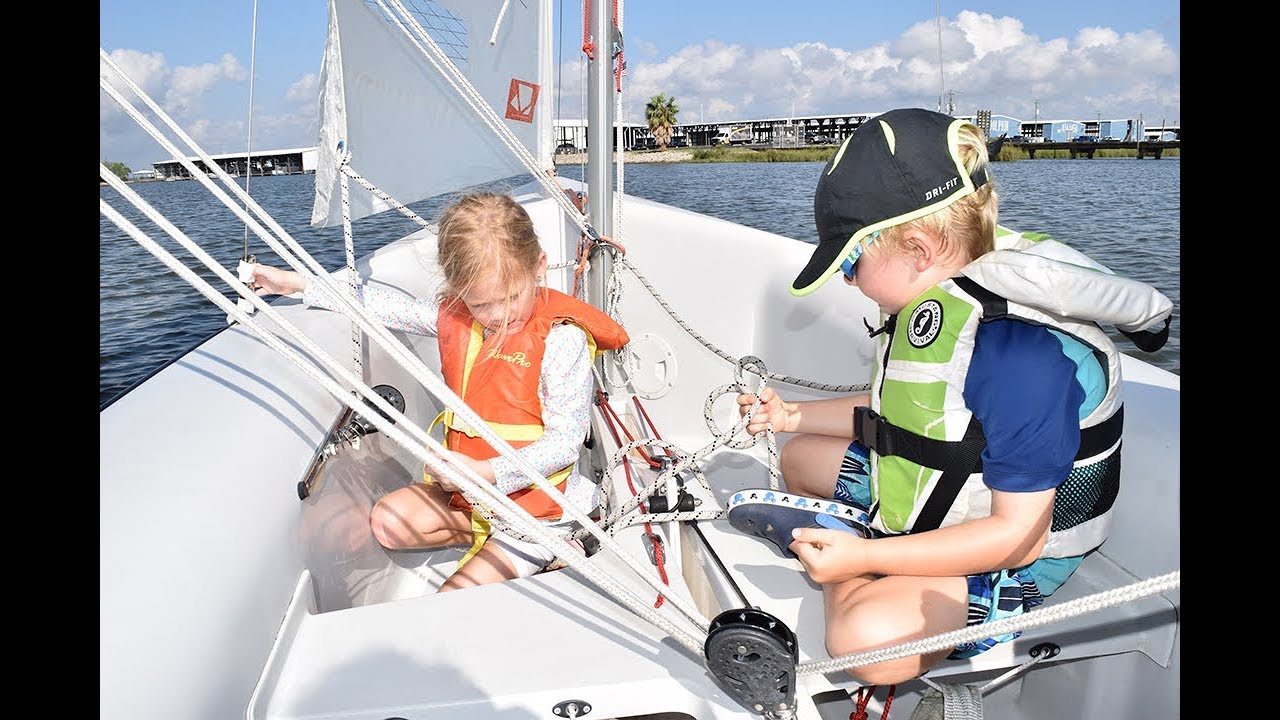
{"x":772,"y":412}
{"x":829,"y":556}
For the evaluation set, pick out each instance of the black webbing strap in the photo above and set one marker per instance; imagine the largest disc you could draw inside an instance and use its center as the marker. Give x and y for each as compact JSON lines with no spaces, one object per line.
{"x":886,"y":438}
{"x":1100,"y":437}
{"x":957,"y":459}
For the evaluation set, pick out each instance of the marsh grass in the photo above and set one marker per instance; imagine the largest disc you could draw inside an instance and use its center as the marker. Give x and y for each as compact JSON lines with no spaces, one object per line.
{"x":723,"y":153}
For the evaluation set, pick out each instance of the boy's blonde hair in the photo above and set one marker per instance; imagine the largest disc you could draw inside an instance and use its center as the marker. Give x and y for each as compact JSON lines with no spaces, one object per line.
{"x":966,"y":229}
{"x":482,"y":234}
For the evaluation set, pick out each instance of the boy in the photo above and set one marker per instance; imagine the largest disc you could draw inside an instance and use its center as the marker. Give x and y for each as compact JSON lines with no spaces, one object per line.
{"x":986,"y":453}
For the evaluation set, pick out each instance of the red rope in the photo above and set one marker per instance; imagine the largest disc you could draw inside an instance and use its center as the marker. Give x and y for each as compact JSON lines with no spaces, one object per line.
{"x":659,"y":557}
{"x":617,"y":73}
{"x":587,"y":46}
{"x":864,"y":696}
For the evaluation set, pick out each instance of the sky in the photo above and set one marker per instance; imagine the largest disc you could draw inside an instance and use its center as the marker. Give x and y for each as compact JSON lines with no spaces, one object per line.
{"x":719,"y":60}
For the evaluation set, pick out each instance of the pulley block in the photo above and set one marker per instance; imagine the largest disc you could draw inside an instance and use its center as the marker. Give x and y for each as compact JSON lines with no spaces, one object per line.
{"x":753,"y":656}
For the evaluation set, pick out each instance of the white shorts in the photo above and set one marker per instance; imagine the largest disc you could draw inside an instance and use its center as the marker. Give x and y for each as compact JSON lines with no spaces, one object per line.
{"x":531,"y":557}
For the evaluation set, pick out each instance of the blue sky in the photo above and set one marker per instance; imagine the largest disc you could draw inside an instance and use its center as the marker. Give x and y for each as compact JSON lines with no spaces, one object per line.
{"x":720,"y":60}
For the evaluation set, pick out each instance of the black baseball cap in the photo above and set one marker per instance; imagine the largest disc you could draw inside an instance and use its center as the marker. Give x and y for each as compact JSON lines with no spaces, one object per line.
{"x":896,"y":167}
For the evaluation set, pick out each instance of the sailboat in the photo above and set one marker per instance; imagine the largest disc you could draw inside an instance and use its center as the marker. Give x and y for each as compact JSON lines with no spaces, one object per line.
{"x":238,"y":574}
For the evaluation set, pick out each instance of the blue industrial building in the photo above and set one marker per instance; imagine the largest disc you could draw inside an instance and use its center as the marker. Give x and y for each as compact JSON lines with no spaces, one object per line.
{"x":1003,"y":125}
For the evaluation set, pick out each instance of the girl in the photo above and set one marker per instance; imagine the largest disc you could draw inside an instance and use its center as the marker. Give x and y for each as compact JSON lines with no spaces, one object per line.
{"x":519,"y":354}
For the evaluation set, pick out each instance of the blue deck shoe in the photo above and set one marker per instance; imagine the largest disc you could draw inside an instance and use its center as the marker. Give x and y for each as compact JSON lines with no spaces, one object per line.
{"x":773,"y":514}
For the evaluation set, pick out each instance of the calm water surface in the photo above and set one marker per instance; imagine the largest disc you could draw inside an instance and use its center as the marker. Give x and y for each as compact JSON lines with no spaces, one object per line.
{"x":1122,"y":212}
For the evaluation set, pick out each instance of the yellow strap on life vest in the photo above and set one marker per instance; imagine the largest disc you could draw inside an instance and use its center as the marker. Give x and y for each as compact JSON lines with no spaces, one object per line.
{"x":480,"y":533}
{"x":480,"y":527}
{"x":426,"y":476}
{"x":510,"y":433}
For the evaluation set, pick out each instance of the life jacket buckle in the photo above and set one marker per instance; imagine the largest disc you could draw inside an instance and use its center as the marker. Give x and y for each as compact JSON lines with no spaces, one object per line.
{"x":873,"y":430}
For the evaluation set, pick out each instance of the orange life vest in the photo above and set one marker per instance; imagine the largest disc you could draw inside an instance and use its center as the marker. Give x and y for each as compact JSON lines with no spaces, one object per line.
{"x":500,"y":381}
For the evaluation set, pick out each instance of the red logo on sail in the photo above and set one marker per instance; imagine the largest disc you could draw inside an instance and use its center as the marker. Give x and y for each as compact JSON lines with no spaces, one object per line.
{"x":522,"y":97}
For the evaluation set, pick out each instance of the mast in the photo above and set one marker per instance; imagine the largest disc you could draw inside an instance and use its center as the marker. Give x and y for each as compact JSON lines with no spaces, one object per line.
{"x":600,"y":118}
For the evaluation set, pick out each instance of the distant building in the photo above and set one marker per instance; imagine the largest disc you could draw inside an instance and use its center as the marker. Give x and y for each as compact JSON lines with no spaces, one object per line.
{"x":292,"y":161}
{"x":141,"y":175}
{"x":995,"y":125}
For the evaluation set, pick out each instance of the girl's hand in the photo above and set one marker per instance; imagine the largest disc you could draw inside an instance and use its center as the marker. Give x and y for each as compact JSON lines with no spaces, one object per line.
{"x":784,"y":417}
{"x":483,"y":468}
{"x":269,"y":280}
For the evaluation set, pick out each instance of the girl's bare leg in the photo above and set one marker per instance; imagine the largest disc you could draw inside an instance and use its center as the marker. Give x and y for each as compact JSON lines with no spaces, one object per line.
{"x":489,"y":565}
{"x":419,"y":516}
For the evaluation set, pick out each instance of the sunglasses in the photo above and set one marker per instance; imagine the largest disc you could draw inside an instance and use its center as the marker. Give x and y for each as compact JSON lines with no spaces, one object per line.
{"x":846,"y":267}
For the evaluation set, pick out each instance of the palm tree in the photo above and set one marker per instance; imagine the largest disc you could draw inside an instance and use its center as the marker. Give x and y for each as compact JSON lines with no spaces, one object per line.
{"x":660,"y":112}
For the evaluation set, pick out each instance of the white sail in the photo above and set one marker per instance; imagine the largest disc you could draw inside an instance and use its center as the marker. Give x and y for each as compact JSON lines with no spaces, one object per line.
{"x":407,"y":129}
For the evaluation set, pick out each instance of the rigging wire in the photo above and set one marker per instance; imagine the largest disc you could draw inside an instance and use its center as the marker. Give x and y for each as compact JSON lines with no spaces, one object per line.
{"x":248,"y":150}
{"x":559,"y":65}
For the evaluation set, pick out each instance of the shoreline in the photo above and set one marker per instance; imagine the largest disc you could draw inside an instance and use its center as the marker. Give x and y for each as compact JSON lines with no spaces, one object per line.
{"x":630,"y":157}
{"x":1007,"y":153}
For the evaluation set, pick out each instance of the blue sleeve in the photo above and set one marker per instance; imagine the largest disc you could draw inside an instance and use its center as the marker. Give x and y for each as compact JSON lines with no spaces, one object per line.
{"x":1024,"y":391}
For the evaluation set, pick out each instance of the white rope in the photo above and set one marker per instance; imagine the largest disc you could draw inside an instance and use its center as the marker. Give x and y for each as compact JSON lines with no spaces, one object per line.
{"x":395,"y":204}
{"x":1030,"y":619}
{"x":398,"y":352}
{"x":353,"y":279}
{"x":416,"y":440}
{"x":687,"y":462}
{"x":502,"y":11}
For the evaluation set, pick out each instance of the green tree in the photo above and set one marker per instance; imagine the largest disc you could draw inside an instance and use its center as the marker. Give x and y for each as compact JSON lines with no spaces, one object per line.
{"x":120,"y":169}
{"x":660,"y":112}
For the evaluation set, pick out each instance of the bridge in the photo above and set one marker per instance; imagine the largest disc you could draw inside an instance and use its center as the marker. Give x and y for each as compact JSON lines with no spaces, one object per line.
{"x":1146,"y":148}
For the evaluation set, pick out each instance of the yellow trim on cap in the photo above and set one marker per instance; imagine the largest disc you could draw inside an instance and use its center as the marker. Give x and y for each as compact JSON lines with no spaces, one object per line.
{"x":968,"y":188}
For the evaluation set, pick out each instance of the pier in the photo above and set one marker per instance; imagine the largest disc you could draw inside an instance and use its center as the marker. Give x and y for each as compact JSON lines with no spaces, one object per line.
{"x":1146,"y":148}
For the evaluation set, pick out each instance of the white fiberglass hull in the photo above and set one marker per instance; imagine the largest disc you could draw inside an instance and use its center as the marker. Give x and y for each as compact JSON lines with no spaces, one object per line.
{"x":224,"y":595}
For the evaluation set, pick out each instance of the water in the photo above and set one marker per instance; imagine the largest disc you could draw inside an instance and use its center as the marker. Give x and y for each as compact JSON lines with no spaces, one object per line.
{"x":1121,"y":211}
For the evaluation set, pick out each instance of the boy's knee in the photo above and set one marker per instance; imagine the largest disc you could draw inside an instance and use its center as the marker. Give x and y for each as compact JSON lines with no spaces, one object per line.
{"x":864,"y":630}
{"x":791,"y":460}
{"x":796,"y":463}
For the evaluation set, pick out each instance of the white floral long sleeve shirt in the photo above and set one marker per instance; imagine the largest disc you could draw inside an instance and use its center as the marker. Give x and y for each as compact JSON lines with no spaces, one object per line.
{"x":565,"y":387}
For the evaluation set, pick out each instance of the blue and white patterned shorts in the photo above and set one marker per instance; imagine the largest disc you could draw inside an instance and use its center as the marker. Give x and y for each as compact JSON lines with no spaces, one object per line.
{"x":992,"y":596}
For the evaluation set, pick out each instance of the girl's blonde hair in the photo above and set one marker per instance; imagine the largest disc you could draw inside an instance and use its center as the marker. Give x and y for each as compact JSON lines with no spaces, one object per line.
{"x":966,"y":229}
{"x":482,"y":234}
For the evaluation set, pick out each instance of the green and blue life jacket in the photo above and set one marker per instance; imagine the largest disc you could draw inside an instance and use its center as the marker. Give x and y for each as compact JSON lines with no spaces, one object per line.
{"x":925,"y":443}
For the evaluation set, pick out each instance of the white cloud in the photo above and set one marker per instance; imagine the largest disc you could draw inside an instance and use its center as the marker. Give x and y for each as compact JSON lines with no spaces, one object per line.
{"x":189,"y":84}
{"x":191,"y":95}
{"x":990,"y":63}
